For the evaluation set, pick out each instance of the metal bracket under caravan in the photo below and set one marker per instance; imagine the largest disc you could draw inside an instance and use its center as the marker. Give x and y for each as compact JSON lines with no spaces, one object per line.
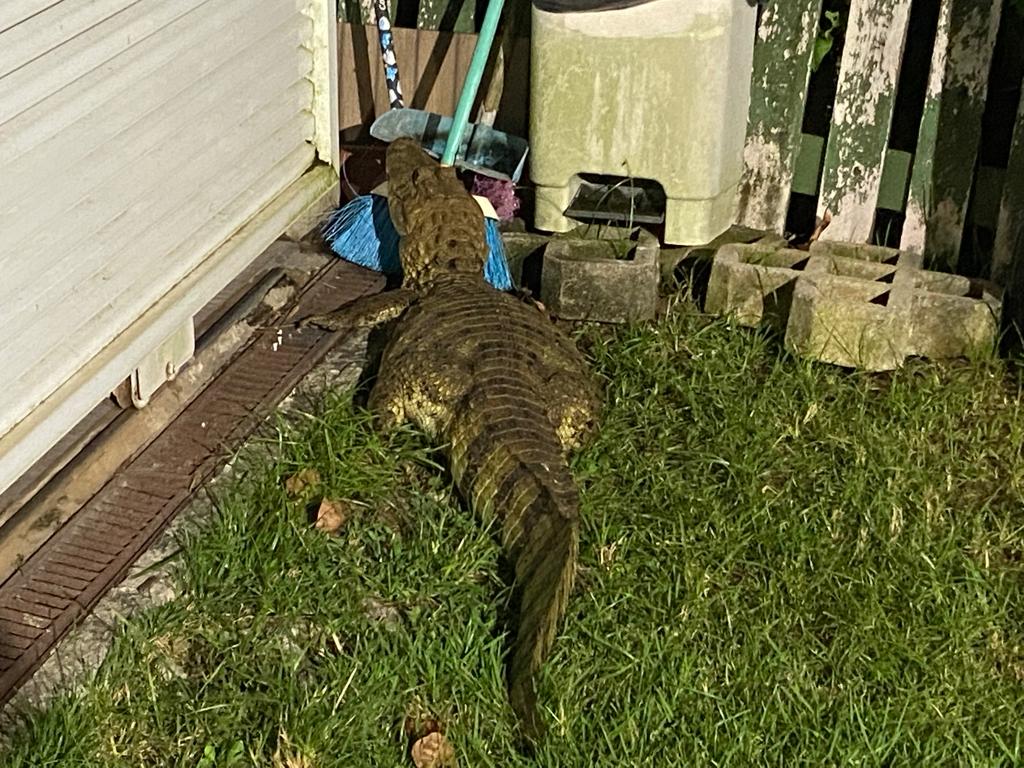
{"x":158,"y":367}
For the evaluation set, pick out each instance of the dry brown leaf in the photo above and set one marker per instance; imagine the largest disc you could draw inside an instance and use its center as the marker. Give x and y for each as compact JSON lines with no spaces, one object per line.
{"x":301,"y":480}
{"x":331,"y":516}
{"x":433,"y":751}
{"x":821,"y":225}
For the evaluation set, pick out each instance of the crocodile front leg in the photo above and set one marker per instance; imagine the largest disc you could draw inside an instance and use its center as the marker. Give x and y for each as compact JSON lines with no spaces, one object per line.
{"x":364,"y":313}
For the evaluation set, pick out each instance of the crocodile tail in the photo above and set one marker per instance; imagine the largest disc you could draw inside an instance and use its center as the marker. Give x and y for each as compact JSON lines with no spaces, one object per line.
{"x":544,"y":566}
{"x":507,"y":462}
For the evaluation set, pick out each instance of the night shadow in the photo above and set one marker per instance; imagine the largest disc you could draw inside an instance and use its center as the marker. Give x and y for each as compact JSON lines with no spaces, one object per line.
{"x":428,"y":78}
{"x":363,"y":83}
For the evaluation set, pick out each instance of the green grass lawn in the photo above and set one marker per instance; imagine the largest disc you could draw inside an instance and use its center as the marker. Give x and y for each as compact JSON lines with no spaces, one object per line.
{"x":782,"y":563}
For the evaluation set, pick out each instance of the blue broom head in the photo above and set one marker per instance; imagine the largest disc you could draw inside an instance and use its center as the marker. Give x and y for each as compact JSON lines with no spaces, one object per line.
{"x":361,"y":232}
{"x":496,"y":270}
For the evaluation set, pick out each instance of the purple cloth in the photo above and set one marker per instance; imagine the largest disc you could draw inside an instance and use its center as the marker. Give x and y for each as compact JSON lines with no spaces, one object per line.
{"x":501,"y":193}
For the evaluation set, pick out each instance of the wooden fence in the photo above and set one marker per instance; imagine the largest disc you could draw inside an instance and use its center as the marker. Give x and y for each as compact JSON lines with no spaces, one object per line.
{"x":444,"y":15}
{"x":432,"y":64}
{"x":901,"y":134}
{"x":857,"y":169}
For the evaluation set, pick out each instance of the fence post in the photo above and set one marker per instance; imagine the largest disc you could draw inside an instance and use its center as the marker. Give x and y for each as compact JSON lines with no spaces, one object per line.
{"x":1008,"y":250}
{"x":782,"y":66}
{"x":447,"y":15}
{"x":356,"y":11}
{"x":947,"y":144}
{"x":1009,"y":235}
{"x":868,"y":76}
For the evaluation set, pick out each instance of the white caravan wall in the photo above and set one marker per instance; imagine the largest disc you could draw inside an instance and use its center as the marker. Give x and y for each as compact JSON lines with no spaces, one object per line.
{"x":135,"y":139}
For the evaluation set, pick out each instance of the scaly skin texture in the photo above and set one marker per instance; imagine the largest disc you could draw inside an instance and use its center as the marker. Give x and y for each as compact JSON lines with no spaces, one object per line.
{"x":494,"y":381}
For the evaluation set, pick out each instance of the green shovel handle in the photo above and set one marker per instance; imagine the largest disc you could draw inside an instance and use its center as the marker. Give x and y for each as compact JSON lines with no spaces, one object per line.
{"x":472,"y":84}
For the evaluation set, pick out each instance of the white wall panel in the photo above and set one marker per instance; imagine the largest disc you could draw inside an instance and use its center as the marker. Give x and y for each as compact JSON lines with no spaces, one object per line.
{"x":136,"y":138}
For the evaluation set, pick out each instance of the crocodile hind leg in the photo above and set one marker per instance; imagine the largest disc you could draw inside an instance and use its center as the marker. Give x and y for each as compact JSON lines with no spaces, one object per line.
{"x":387,"y":402}
{"x":572,"y":408}
{"x":424,"y":400}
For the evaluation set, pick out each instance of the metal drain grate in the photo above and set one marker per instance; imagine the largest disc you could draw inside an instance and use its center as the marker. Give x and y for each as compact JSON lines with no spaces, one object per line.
{"x":61,"y":582}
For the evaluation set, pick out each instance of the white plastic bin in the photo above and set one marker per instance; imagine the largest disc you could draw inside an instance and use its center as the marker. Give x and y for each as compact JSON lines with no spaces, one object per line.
{"x":657,"y":91}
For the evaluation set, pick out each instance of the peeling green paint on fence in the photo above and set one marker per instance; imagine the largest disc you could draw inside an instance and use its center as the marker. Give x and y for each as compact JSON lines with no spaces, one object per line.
{"x":782,"y":61}
{"x":947,"y":145}
{"x":869,"y":72}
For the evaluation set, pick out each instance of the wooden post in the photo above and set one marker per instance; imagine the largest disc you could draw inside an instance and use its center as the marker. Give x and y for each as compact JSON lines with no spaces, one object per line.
{"x":1009,"y":237}
{"x":868,"y":75}
{"x":447,"y":15}
{"x":432,"y":65}
{"x":782,"y":66}
{"x":356,"y":11}
{"x":947,"y":145}
{"x":1008,"y":252}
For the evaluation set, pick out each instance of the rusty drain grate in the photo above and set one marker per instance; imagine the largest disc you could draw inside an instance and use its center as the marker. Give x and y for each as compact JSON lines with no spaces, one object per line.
{"x":61,"y":582}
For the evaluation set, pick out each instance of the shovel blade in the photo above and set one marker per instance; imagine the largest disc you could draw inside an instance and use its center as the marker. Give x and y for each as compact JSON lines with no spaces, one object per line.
{"x":484,"y":150}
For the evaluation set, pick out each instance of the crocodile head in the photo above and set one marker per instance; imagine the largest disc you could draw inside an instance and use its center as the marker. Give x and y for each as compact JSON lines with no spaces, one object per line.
{"x":441,"y":226}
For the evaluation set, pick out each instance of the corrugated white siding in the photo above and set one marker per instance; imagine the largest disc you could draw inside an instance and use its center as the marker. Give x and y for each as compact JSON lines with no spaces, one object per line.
{"x":135,"y":138}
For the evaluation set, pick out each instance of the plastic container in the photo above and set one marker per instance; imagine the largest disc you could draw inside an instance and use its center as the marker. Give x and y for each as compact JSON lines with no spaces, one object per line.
{"x":657,"y":91}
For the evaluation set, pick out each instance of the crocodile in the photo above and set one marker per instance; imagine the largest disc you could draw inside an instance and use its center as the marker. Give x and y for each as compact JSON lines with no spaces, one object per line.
{"x":493,"y":381}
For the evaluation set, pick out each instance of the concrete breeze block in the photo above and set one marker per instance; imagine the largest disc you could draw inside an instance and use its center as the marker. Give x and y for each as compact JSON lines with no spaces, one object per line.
{"x":582,"y":281}
{"x":519,"y":247}
{"x":859,"y":306}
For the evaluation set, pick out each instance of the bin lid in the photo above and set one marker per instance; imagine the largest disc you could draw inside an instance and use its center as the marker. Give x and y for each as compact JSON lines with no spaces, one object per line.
{"x":583,"y":6}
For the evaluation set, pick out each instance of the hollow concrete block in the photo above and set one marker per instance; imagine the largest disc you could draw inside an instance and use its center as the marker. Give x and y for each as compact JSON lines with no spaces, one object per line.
{"x":582,"y":279}
{"x":855,"y":305}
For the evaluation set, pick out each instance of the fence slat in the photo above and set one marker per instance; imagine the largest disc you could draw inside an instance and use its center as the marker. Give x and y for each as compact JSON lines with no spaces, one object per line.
{"x":361,"y":11}
{"x":358,"y":11}
{"x":447,"y":15}
{"x":947,"y":144}
{"x":433,"y":68}
{"x":1008,"y":248}
{"x":868,"y":75}
{"x":782,"y":66}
